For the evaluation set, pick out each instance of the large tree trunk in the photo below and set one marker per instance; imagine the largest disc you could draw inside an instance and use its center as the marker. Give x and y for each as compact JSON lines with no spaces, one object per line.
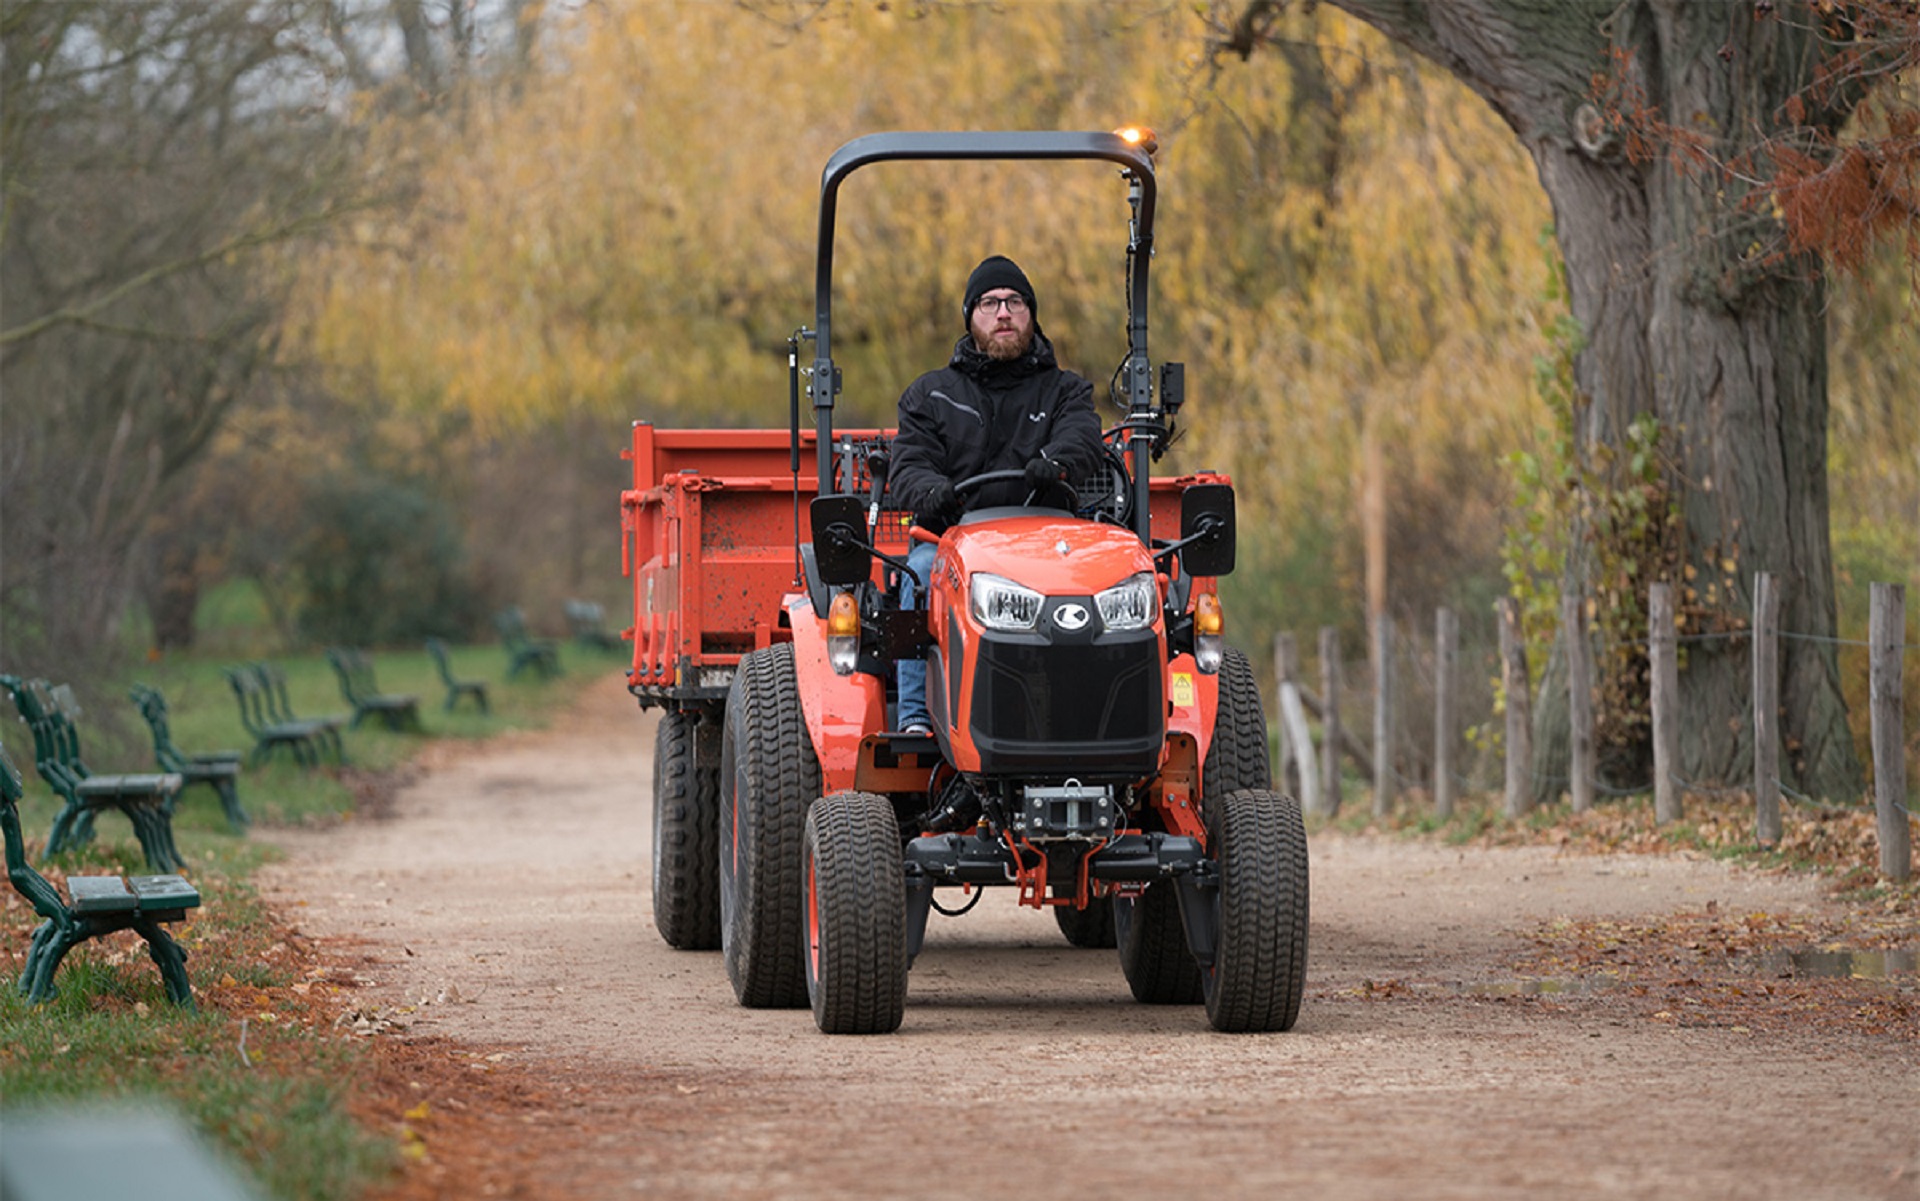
{"x":1686,"y":318}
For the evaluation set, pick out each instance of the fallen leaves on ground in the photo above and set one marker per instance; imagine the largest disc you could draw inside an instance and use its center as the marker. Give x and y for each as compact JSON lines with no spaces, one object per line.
{"x":1710,"y":968}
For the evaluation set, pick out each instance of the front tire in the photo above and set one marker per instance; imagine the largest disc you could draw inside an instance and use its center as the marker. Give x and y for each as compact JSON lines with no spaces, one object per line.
{"x":1260,"y":963}
{"x":686,"y":830}
{"x":856,"y":900}
{"x":768,"y":776}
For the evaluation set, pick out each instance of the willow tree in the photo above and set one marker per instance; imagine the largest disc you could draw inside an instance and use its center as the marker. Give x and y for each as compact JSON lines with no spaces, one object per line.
{"x":1315,"y":242}
{"x":1695,"y":308}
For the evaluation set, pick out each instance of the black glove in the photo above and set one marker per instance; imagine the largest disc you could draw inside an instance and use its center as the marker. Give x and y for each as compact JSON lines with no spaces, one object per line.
{"x":940,"y":504}
{"x":1043,"y":473}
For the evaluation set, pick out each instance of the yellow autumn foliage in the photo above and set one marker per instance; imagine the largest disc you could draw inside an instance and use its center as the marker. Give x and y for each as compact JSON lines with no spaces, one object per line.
{"x":629,"y":233}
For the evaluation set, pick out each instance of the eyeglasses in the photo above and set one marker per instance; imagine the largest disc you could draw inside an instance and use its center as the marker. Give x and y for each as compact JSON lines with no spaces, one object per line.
{"x":1013,"y":304}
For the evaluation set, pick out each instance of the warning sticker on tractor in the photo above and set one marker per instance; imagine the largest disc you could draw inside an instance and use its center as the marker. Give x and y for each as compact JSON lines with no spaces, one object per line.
{"x":1183,"y":689}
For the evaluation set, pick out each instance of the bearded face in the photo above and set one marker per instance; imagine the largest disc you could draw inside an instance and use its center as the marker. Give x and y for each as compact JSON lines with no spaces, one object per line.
{"x":1002,"y":325}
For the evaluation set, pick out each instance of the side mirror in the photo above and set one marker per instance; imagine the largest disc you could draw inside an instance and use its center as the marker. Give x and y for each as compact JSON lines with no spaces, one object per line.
{"x":1206,"y":518}
{"x":839,"y":537}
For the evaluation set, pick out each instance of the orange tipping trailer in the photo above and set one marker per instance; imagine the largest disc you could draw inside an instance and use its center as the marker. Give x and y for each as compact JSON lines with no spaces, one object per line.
{"x":711,"y":533}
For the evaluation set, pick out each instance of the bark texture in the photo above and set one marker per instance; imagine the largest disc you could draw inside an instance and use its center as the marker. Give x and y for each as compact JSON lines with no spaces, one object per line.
{"x":1687,"y":319}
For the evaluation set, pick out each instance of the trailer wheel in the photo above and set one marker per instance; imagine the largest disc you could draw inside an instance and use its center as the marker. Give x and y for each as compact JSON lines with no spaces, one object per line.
{"x":1153,"y":947}
{"x":1237,"y":754}
{"x":1091,"y":927}
{"x":1260,"y":963}
{"x":768,"y":777}
{"x":856,"y":901}
{"x":686,"y":829}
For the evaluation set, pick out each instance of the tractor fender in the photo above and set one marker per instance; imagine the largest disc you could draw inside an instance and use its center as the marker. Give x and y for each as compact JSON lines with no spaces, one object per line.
{"x":1193,"y":698}
{"x":839,"y":710}
{"x":1192,"y":702}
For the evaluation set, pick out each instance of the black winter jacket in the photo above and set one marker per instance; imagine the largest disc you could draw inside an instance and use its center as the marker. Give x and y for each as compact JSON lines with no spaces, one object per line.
{"x":977,"y":414}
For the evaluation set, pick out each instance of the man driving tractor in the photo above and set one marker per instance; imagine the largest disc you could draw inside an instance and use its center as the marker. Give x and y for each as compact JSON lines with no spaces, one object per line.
{"x":1001,"y":403}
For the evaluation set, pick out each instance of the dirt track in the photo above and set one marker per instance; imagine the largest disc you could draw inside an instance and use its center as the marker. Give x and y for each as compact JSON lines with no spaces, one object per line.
{"x":504,"y":906}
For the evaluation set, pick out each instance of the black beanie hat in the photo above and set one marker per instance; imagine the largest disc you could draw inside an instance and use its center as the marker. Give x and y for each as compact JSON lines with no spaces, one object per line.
{"x":998,"y":271}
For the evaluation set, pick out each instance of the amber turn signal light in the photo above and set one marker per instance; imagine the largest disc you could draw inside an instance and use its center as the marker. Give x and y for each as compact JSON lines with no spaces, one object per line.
{"x":1208,"y":624}
{"x":843,"y":634}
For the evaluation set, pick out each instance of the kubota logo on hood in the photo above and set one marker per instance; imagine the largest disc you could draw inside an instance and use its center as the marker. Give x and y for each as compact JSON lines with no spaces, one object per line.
{"x":1071,"y":617}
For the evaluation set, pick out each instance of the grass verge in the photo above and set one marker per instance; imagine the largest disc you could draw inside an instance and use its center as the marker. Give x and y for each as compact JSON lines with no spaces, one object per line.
{"x":265,"y":1068}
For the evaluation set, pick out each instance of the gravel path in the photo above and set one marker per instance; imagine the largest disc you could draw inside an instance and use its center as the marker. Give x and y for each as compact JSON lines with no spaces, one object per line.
{"x":504,"y":905}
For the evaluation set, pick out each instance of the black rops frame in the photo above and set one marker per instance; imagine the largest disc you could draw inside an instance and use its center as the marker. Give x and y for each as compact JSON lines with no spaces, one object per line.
{"x":962,"y":146}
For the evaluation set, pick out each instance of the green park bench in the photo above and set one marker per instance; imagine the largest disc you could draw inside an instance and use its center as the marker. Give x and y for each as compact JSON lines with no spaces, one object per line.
{"x":399,"y":711}
{"x":218,"y":770}
{"x":273,"y":682}
{"x":588,"y":621}
{"x":524,"y":650}
{"x":456,"y":687}
{"x":94,"y":906}
{"x":146,"y":799}
{"x":260,"y":693}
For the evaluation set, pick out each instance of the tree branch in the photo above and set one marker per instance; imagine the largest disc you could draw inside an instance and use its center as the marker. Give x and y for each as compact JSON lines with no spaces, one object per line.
{"x":84,"y":313}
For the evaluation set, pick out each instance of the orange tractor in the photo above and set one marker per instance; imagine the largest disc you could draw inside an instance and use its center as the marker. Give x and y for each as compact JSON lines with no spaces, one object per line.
{"x":1097,"y":746}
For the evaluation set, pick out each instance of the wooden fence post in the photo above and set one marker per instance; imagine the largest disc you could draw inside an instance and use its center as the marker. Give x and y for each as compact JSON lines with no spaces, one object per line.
{"x":1573,"y":617}
{"x":1329,"y":799}
{"x":1296,"y":739}
{"x":1766,"y":710}
{"x":1513,"y":679}
{"x":1886,"y":629}
{"x":1664,"y":666}
{"x":1446,"y":649}
{"x":1383,"y":779}
{"x":1282,"y":672}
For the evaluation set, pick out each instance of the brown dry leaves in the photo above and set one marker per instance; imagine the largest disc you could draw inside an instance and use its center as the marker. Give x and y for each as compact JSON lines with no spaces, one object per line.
{"x":1732,"y":971}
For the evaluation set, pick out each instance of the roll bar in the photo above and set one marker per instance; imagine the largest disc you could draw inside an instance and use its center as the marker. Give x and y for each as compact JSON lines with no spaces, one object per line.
{"x":1137,"y":165}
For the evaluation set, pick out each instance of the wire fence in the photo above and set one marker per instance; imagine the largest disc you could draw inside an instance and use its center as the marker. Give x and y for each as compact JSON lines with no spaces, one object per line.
{"x":1413,"y":677}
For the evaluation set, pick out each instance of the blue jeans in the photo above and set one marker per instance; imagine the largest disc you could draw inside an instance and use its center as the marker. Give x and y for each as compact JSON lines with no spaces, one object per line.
{"x":911,"y":674}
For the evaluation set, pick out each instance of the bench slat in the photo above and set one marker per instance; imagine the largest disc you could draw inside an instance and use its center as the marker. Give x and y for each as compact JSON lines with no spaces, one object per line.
{"x":206,"y":769}
{"x":164,"y":892}
{"x":101,"y":894}
{"x":131,"y":785}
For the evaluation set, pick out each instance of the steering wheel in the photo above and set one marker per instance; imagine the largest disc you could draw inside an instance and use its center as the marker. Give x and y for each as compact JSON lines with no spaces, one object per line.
{"x":1007,"y":475}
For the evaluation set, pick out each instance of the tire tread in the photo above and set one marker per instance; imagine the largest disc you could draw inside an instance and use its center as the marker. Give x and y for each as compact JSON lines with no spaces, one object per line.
{"x":776,"y":773}
{"x":686,"y":832}
{"x":853,"y":844}
{"x":1259,"y":971}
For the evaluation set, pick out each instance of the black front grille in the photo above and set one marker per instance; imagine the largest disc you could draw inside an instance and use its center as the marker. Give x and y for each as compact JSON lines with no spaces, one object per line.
{"x":1093,"y":709}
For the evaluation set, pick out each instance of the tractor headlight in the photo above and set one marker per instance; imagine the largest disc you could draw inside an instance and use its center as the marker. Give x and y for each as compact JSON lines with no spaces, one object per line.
{"x":843,"y":634}
{"x":1209,"y":624}
{"x":1130,"y":604}
{"x":1001,"y":604}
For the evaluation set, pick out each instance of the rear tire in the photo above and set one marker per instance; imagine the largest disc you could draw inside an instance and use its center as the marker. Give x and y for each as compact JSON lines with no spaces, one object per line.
{"x":1260,"y":965}
{"x":686,"y":830}
{"x":768,"y":776}
{"x":1237,"y":753}
{"x":856,"y":901}
{"x":1153,"y":947}
{"x":1091,"y":928}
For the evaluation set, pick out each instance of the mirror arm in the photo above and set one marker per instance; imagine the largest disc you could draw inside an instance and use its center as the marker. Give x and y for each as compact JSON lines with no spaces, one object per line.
{"x":842,"y":536}
{"x":1209,"y":527}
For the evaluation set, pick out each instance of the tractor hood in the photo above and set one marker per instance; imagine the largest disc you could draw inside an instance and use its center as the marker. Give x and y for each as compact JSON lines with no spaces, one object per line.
{"x":1052,"y":553}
